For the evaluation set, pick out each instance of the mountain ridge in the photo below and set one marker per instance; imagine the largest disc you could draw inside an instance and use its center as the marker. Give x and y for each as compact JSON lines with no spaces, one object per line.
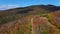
{"x":18,"y":20}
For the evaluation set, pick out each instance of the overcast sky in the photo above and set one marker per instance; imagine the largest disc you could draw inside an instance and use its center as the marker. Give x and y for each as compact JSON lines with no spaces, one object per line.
{"x":7,"y":4}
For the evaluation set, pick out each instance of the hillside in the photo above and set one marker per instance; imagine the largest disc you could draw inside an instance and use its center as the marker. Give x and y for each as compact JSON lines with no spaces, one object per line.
{"x":40,"y":19}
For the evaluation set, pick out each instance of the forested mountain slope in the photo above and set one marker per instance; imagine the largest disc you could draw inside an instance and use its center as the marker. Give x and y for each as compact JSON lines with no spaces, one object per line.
{"x":35,"y":19}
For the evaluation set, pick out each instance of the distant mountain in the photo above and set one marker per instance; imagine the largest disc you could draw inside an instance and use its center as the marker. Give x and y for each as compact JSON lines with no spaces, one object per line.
{"x":33,"y":8}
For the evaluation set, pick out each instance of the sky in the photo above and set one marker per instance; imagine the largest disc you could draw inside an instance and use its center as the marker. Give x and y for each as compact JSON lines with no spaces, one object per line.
{"x":7,"y":4}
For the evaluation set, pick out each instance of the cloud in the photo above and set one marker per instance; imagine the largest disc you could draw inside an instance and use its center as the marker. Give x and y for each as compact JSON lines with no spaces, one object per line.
{"x":4,"y":7}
